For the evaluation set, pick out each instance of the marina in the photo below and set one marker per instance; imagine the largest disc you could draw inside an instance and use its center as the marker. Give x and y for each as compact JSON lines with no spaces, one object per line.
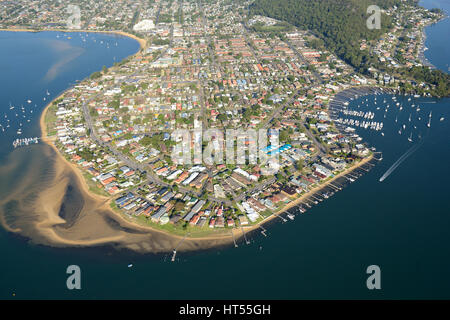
{"x":25,"y":142}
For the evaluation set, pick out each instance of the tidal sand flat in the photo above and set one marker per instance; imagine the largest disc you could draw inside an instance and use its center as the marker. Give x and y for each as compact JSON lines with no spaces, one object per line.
{"x":43,"y":197}
{"x":48,"y":202}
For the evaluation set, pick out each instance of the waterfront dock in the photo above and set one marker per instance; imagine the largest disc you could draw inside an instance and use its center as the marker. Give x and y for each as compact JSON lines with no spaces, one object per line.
{"x":245,"y":238}
{"x":175,"y":250}
{"x":25,"y":142}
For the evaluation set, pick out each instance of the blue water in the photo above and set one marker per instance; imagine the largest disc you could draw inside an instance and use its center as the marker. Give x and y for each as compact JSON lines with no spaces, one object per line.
{"x":32,"y":63}
{"x":438,"y":35}
{"x":400,"y":224}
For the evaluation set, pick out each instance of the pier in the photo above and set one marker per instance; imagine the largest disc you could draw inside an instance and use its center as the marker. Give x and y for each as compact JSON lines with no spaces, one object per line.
{"x":175,"y":250}
{"x":263,"y":231}
{"x":279,"y":216}
{"x":336,"y":188}
{"x":245,"y":238}
{"x":25,"y":142}
{"x":234,"y":240}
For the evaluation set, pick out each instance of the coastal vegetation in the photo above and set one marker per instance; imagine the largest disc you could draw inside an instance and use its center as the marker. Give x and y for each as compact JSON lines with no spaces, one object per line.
{"x":339,"y":24}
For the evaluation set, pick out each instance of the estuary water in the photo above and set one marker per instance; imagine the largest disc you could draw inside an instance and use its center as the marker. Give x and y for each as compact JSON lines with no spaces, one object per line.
{"x":439,"y":50}
{"x":400,"y":224}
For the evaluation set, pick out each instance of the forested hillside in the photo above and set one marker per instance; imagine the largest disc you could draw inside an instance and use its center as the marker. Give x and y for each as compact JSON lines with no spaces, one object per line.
{"x":341,"y":24}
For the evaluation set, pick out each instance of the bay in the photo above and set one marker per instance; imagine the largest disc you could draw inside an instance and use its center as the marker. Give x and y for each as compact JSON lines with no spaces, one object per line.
{"x":400,"y":224}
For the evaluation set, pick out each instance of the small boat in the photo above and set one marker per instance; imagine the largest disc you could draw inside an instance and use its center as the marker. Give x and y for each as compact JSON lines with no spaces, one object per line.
{"x":382,"y":134}
{"x":442,"y":119}
{"x":130,"y":265}
{"x":290,"y":216}
{"x":410,"y":137}
{"x":29,"y":101}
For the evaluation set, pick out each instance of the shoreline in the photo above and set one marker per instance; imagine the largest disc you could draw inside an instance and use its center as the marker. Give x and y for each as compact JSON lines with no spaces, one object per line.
{"x":296,"y":202}
{"x":226,"y":236}
{"x":142,"y":42}
{"x":105,"y":200}
{"x":421,"y":54}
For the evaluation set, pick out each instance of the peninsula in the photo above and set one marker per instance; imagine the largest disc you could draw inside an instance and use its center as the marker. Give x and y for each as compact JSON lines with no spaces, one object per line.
{"x":222,"y":65}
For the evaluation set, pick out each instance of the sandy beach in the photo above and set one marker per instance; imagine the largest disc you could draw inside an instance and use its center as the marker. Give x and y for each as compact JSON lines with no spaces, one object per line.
{"x":422,"y":49}
{"x":91,"y":221}
{"x":102,"y":203}
{"x":142,"y":42}
{"x":306,"y":195}
{"x":105,"y":200}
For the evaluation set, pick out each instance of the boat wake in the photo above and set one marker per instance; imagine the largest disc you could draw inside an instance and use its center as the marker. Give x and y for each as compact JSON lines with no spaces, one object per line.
{"x":400,"y":160}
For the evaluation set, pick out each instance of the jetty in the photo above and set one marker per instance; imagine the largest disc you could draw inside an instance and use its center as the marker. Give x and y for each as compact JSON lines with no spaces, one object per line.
{"x":245,"y":238}
{"x":175,"y":250}
{"x":263,"y":231}
{"x":25,"y":142}
{"x":234,"y":240}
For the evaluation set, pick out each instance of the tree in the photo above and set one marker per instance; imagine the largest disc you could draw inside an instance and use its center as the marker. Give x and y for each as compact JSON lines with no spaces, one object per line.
{"x":299,"y":164}
{"x":96,"y":75}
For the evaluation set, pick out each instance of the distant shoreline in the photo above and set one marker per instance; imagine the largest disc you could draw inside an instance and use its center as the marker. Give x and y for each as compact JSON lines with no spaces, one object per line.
{"x":107,"y":199}
{"x":142,"y":42}
{"x":421,"y":55}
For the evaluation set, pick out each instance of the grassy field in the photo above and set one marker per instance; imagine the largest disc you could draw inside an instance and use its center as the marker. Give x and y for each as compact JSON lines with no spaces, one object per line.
{"x":93,"y":186}
{"x":50,"y":119}
{"x":177,"y":229}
